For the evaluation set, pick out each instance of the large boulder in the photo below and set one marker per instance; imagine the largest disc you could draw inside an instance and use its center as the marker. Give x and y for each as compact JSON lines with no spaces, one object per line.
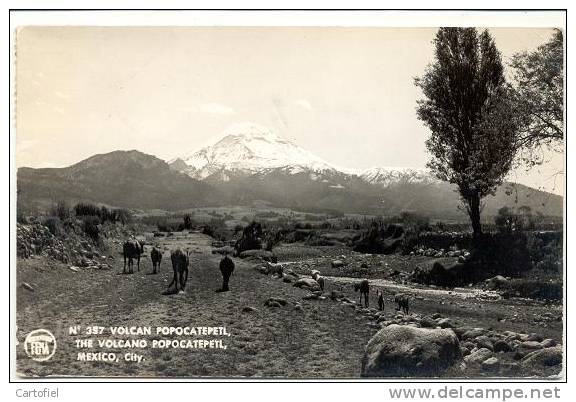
{"x":545,"y":357}
{"x":405,"y":351}
{"x":307,"y":283}
{"x":478,"y":356}
{"x":496,"y":282}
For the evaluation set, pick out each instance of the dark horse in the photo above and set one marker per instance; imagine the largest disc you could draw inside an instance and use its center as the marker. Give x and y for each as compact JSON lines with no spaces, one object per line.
{"x":226,"y":268}
{"x":402,"y":303}
{"x":180,"y":263}
{"x":156,"y":257}
{"x":132,"y":250}
{"x":364,"y":288}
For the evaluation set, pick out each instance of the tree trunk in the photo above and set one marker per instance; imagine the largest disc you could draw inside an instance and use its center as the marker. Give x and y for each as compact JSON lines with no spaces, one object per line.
{"x":474,"y":213}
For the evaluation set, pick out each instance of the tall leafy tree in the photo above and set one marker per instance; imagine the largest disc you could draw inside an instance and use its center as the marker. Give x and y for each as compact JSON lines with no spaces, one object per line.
{"x":467,"y":108}
{"x":538,"y":78}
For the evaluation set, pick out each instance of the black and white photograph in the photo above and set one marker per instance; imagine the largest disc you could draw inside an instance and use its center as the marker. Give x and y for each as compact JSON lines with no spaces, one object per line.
{"x":290,"y":202}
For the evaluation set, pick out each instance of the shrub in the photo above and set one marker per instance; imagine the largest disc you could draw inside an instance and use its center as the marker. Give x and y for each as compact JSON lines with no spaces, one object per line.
{"x":104,"y":214}
{"x":545,"y":250}
{"x":216,"y":229}
{"x":90,"y":226}
{"x":380,"y":238}
{"x":413,"y":221}
{"x":21,"y":217}
{"x":272,"y":238}
{"x":251,"y":238}
{"x":61,"y":210}
{"x":54,"y":225}
{"x":122,"y":215}
{"x":534,"y":289}
{"x":86,"y":209}
{"x":503,"y":253}
{"x":187,"y":222}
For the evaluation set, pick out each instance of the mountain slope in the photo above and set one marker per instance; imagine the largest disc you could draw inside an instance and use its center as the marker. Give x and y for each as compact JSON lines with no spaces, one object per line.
{"x":441,"y":200}
{"x":128,"y":179}
{"x":250,"y":163}
{"x":384,"y":177}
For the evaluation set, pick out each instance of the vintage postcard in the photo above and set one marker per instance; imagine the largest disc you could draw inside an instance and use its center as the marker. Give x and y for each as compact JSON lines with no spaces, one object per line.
{"x":290,"y":202}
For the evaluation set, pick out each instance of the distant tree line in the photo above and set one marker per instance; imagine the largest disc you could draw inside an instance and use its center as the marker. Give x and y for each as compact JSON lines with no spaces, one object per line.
{"x":62,"y":217}
{"x":113,"y":215}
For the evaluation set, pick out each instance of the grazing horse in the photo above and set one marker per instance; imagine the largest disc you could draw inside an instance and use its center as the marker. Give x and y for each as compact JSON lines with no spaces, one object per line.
{"x":226,"y":268}
{"x":364,"y":288}
{"x":402,"y":302}
{"x":156,"y":257}
{"x":132,"y":250}
{"x":180,"y":261}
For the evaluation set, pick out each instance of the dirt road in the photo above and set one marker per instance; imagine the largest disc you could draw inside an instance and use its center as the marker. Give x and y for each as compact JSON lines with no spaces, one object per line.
{"x":322,"y":339}
{"x":474,"y":307}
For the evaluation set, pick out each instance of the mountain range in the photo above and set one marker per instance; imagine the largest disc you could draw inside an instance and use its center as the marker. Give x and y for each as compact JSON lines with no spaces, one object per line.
{"x":251,"y":163}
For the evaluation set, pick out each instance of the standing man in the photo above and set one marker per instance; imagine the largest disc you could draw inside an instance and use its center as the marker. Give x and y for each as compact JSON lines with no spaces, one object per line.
{"x":226,"y":268}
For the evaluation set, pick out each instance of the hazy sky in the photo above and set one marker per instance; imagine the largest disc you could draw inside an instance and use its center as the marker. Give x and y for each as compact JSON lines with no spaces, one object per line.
{"x":346,"y":94}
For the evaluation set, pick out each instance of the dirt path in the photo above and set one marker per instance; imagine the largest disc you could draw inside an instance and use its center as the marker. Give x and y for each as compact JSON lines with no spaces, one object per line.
{"x":472,"y":307}
{"x":324,"y":339}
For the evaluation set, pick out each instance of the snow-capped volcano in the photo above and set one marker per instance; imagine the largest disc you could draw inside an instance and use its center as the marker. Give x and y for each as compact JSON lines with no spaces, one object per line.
{"x":249,"y":148}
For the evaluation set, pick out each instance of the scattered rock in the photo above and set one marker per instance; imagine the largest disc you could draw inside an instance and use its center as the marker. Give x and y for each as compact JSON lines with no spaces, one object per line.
{"x":446,"y":323}
{"x":468,"y":345}
{"x":27,"y":286}
{"x":533,"y":337}
{"x":401,"y":351}
{"x":249,"y":309}
{"x":531,"y":345}
{"x":337,"y":263}
{"x":496,"y":282}
{"x":474,"y":333}
{"x":502,"y":346}
{"x":478,"y":356}
{"x":484,"y":342}
{"x":545,"y":357}
{"x":307,"y":283}
{"x":460,"y":331}
{"x":491,"y":364}
{"x":275,"y":302}
{"x":427,"y":322}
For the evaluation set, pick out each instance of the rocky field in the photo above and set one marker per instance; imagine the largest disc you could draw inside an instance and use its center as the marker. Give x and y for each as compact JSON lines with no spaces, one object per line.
{"x":277,"y":329}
